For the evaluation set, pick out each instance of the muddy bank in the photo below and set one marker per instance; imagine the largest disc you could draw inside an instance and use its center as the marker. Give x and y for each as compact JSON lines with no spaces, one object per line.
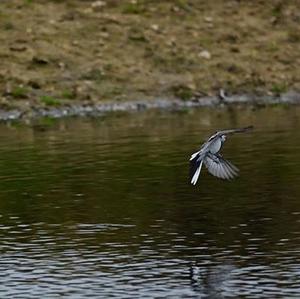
{"x":290,"y":98}
{"x":56,"y":54}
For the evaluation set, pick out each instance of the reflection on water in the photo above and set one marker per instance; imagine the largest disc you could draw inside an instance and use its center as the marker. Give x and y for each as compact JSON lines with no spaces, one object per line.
{"x":103,"y":208}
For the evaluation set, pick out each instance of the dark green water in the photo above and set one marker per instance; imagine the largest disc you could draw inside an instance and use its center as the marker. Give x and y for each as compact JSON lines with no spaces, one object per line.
{"x":103,"y":208}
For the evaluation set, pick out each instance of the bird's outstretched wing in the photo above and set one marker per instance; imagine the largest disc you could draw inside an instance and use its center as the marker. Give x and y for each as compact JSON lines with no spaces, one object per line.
{"x":228,"y":132}
{"x":220,"y":167}
{"x":232,"y":131}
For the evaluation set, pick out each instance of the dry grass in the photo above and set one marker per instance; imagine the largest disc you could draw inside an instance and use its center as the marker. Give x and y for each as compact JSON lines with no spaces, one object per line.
{"x":132,"y":49}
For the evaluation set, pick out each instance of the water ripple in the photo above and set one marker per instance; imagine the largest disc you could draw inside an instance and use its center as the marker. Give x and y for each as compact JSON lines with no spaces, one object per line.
{"x":103,"y":209}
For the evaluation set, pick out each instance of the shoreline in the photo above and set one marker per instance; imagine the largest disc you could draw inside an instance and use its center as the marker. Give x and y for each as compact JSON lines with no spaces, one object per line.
{"x":59,"y":54}
{"x":86,"y":110}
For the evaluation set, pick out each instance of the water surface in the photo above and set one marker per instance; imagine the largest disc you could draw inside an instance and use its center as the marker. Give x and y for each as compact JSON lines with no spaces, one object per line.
{"x":102,"y":208}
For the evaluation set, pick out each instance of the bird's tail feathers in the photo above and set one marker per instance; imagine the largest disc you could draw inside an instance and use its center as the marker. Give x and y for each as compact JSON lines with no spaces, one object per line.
{"x":194,"y":155}
{"x":195,"y":167}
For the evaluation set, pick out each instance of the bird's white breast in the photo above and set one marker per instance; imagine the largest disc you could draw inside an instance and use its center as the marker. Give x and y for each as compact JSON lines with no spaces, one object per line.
{"x":215,"y":146}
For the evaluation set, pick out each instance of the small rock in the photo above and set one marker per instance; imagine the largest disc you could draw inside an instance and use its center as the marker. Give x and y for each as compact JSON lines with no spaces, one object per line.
{"x":171,"y":42}
{"x":8,"y":88}
{"x":87,"y":11}
{"x":191,"y":86}
{"x":205,"y":54}
{"x":155,"y":27}
{"x":208,"y":19}
{"x":98,"y":5}
{"x":195,"y":34}
{"x":104,"y":34}
{"x":62,"y":65}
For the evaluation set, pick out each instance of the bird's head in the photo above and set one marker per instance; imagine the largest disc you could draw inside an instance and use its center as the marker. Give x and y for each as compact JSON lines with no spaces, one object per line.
{"x":223,"y":137}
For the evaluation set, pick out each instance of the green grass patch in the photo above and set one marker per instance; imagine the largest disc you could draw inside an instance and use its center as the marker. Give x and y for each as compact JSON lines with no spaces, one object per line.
{"x":133,"y":8}
{"x":68,"y":95}
{"x":182,"y":92}
{"x":277,"y":9}
{"x":183,"y":4}
{"x":50,"y":101}
{"x":279,"y":88}
{"x":19,"y":92}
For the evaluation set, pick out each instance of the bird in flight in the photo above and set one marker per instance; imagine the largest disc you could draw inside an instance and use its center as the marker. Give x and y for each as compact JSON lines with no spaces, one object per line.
{"x":212,"y":159}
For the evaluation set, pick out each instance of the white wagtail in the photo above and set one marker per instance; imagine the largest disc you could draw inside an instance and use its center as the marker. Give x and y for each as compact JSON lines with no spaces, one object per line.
{"x":209,"y":155}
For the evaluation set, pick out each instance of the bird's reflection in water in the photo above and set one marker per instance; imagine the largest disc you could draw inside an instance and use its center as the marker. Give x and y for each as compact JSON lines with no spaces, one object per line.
{"x":210,"y":281}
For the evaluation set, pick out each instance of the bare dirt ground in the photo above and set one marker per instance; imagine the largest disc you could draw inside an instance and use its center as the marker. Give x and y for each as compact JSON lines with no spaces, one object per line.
{"x":62,"y":52}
